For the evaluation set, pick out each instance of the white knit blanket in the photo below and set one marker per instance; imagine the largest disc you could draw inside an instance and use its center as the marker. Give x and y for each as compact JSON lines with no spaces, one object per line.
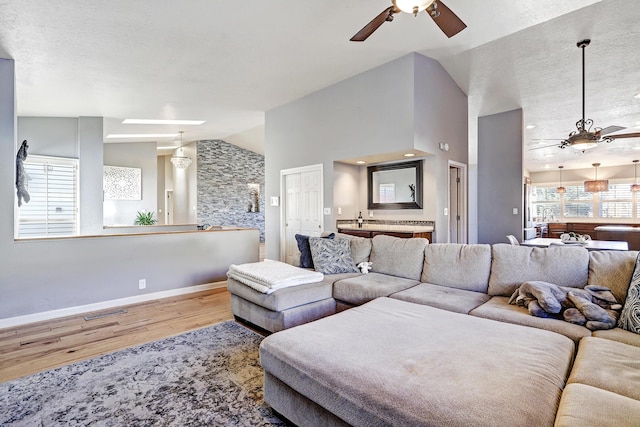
{"x":269,"y":276}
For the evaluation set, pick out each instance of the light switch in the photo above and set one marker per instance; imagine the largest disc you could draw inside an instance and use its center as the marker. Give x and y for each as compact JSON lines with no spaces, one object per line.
{"x":339,"y":211}
{"x":327,"y":211}
{"x":274,"y":201}
{"x":515,"y":211}
{"x":446,"y":211}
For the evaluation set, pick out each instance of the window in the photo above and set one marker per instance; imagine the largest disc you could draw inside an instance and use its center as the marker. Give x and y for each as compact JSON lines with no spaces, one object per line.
{"x":577,"y":202}
{"x":546,"y":203}
{"x":619,"y":202}
{"x":52,"y":183}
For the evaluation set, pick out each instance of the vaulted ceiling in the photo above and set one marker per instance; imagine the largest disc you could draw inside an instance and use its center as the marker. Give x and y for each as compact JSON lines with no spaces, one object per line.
{"x":227,"y":62}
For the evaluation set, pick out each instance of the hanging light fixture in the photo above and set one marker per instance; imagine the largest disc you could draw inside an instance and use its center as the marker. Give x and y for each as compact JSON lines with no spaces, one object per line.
{"x":561,"y":189}
{"x":635,"y":186}
{"x":180,"y":161}
{"x":596,"y":185}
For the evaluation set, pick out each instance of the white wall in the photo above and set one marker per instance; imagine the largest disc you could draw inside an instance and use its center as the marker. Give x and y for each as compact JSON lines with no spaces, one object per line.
{"x":185,"y":189}
{"x":410,"y":103}
{"x":142,"y":155}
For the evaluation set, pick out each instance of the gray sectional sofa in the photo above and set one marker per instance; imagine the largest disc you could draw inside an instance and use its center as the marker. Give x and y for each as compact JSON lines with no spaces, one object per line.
{"x":428,"y":337}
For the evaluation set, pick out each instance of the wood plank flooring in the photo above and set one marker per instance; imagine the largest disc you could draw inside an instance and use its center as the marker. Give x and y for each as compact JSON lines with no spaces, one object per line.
{"x":36,"y":347}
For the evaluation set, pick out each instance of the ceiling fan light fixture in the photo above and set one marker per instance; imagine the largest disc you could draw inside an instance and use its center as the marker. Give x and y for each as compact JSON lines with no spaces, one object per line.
{"x":412,"y":6}
{"x":596,"y":185}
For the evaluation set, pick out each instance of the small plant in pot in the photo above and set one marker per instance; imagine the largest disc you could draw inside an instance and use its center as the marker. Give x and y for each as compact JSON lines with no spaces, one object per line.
{"x":144,"y":218}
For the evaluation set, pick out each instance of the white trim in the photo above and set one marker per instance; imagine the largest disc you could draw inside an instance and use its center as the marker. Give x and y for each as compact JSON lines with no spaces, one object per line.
{"x":72,"y":311}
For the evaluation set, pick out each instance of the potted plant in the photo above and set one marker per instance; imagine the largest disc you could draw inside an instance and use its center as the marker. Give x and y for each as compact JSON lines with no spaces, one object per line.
{"x":144,"y":218}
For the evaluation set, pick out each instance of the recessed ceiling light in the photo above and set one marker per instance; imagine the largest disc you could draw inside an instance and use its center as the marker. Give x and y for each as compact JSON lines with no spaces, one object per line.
{"x":409,"y":155}
{"x":168,"y":147}
{"x":637,"y":95}
{"x":549,"y":155}
{"x":547,"y":166}
{"x":530,"y":126}
{"x":162,"y":122}
{"x":361,"y":162}
{"x":636,"y":148}
{"x":141,"y":135}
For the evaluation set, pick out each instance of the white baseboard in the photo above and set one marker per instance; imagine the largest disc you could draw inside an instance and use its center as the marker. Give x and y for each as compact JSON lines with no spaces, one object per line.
{"x":72,"y":311}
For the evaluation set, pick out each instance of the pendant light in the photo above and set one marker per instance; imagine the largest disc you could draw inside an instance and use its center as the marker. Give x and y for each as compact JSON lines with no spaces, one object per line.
{"x":596,"y":185}
{"x":561,"y":189}
{"x":180,"y":161}
{"x":635,"y":186}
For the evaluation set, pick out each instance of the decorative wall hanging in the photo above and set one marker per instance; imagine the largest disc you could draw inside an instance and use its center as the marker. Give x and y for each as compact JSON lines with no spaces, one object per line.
{"x":122,"y":183}
{"x":21,"y":178}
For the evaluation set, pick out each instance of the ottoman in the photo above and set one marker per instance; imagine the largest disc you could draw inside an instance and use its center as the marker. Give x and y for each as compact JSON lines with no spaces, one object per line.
{"x":391,"y":362}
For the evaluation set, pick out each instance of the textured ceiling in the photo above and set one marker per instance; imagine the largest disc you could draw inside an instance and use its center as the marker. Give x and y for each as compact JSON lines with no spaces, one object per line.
{"x":227,"y":62}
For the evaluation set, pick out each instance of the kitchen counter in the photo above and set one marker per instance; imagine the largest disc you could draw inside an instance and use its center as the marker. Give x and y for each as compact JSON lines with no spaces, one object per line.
{"x":396,"y":228}
{"x":627,"y":233}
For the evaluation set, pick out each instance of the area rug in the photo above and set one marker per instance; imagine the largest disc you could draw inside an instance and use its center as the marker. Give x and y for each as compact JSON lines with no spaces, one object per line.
{"x":208,"y":377}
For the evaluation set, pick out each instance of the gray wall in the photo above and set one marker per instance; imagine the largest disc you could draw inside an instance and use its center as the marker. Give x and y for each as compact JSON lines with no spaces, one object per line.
{"x":73,"y":138}
{"x":50,"y":274}
{"x":143,"y":155}
{"x":409,"y":103}
{"x":500,"y":176}
{"x":224,"y":170}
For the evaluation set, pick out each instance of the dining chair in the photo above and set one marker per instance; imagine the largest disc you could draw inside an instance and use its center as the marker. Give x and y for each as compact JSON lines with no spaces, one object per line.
{"x":512,"y":239}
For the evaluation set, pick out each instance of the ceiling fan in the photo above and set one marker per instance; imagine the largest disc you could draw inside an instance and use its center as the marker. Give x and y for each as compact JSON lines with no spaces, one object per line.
{"x":583,"y":138}
{"x":444,"y":18}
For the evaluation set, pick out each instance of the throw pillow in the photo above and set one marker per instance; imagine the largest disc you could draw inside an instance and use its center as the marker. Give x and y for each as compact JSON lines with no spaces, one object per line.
{"x":630,"y":316}
{"x":332,"y":256}
{"x":306,"y":260}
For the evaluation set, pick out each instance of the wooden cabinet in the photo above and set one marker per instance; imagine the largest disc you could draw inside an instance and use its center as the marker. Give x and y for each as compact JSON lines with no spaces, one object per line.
{"x":555,"y":229}
{"x":372,"y":233}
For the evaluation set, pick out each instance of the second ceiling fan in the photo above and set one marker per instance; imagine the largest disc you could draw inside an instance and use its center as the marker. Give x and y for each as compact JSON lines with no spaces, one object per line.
{"x":444,"y":18}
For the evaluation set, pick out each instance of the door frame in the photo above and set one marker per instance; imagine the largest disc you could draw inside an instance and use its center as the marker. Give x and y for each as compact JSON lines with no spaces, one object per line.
{"x":463,"y":192}
{"x":283,"y":202}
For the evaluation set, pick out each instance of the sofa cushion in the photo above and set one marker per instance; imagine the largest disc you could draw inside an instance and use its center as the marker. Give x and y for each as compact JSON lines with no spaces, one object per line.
{"x":498,"y":308}
{"x":391,"y":362}
{"x":630,"y":317}
{"x":444,"y":297}
{"x":512,"y":265}
{"x":608,"y":365}
{"x":332,"y":256}
{"x":360,"y":289}
{"x":289,"y":297}
{"x":398,"y":257}
{"x":306,"y":260}
{"x":612,"y":269}
{"x":582,"y":405}
{"x":620,"y":335}
{"x":457,"y":266}
{"x":360,"y":247}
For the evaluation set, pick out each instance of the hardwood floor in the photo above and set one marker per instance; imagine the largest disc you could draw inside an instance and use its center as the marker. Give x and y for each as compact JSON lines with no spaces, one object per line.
{"x":36,"y":347}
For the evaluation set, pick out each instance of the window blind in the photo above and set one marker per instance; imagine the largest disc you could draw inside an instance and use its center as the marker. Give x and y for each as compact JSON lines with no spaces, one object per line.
{"x":52,"y":184}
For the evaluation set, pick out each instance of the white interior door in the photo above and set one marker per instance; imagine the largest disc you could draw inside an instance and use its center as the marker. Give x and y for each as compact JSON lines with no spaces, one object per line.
{"x":302,"y":208}
{"x":168,"y":207}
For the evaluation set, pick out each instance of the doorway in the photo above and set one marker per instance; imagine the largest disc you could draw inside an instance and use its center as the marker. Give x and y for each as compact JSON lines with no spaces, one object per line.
{"x":301,"y":207}
{"x":457,"y":205}
{"x":168,"y":207}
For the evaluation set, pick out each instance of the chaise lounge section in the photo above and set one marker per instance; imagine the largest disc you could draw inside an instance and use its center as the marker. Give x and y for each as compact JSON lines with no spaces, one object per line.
{"x":446,"y":347}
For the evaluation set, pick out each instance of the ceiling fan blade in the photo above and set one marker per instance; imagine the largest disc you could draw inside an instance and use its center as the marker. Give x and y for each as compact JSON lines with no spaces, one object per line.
{"x":611,"y":129}
{"x":626,"y":135}
{"x":367,"y":30}
{"x":446,"y":20}
{"x":543,"y":146}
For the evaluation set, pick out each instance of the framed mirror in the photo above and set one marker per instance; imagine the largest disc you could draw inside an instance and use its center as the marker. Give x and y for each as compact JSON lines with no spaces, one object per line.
{"x":395,"y":186}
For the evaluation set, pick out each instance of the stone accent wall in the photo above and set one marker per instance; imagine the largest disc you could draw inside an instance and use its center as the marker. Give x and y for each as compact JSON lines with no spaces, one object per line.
{"x":226,"y":195}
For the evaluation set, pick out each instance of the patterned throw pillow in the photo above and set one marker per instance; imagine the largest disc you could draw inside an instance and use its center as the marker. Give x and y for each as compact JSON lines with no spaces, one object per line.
{"x":630,"y":316}
{"x":332,"y":256}
{"x":306,"y":260}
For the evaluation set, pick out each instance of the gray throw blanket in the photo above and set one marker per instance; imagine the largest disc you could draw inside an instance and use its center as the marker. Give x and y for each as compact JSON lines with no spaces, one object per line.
{"x":594,"y":306}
